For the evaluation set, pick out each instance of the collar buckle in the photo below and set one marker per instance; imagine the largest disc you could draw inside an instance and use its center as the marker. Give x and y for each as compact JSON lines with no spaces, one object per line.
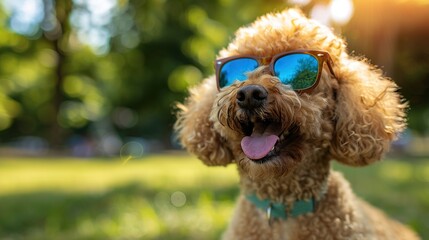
{"x":280,"y":211}
{"x":268,"y":211}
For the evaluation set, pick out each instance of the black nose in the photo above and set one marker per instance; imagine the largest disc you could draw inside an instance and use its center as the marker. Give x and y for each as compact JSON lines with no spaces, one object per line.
{"x":251,"y":96}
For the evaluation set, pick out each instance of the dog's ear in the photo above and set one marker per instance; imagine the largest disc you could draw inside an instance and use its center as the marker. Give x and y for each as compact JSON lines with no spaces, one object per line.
{"x":195,"y":130}
{"x":369,"y":113}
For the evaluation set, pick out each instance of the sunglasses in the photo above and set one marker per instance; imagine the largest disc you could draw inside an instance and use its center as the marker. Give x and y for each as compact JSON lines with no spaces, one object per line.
{"x":301,"y":69}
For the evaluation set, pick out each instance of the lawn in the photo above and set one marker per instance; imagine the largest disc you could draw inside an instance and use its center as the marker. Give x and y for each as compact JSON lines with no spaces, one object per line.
{"x":166,"y":197}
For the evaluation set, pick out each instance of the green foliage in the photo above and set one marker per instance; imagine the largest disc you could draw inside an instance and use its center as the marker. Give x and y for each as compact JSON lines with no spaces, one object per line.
{"x":166,"y":197}
{"x":155,"y":50}
{"x":412,"y":58}
{"x":54,"y":83}
{"x":396,"y":187}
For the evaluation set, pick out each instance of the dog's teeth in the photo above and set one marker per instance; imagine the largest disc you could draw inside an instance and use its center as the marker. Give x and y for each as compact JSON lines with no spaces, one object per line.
{"x":272,"y":149}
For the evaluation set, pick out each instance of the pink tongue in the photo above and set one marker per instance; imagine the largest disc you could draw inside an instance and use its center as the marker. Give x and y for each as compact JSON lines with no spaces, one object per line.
{"x":257,"y":147}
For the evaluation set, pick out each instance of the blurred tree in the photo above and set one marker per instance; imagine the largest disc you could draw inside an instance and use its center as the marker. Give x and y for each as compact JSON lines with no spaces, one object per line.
{"x":25,"y":64}
{"x":412,"y":72}
{"x":56,"y":17}
{"x":179,"y":40}
{"x":398,"y":46}
{"x":144,"y":56}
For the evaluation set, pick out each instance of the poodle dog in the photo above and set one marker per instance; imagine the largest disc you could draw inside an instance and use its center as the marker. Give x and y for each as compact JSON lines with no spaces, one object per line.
{"x":287,"y":99}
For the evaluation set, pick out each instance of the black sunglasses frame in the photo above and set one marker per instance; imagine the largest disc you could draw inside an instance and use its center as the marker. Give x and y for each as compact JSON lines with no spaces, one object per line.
{"x":321,"y":56}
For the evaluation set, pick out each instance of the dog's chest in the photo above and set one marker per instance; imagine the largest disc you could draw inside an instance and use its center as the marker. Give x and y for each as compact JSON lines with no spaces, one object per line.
{"x":283,"y":230}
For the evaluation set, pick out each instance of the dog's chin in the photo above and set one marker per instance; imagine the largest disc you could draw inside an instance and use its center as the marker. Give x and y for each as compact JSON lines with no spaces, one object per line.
{"x":271,"y":167}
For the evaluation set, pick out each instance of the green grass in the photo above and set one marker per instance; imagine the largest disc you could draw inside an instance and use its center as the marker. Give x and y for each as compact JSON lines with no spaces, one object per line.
{"x":166,"y":197}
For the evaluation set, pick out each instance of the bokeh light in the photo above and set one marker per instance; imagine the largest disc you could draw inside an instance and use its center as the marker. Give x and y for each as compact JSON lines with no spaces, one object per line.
{"x":178,"y":199}
{"x":91,"y":20}
{"x":320,"y":12}
{"x":125,"y":117}
{"x":299,"y":2}
{"x":341,"y":11}
{"x":131,"y":150}
{"x":184,"y":77}
{"x":88,"y":89}
{"x":26,"y":15}
{"x":329,"y":12}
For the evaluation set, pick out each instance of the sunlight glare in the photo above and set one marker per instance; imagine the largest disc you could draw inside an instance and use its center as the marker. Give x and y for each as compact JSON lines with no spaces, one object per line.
{"x":421,"y":2}
{"x":320,"y":13}
{"x":91,"y":21}
{"x":25,"y":15}
{"x":299,"y":2}
{"x":341,"y":11}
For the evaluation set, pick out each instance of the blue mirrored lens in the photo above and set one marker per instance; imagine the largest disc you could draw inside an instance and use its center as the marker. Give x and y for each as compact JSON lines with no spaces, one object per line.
{"x":299,"y":70}
{"x":235,"y":70}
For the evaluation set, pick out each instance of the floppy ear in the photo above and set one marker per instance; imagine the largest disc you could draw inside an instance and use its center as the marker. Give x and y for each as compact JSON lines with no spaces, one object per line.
{"x":369,"y":113}
{"x":196,"y":131}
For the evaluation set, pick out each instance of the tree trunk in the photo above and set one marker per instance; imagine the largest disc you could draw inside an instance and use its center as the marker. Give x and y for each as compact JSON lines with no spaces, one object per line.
{"x":57,"y":36}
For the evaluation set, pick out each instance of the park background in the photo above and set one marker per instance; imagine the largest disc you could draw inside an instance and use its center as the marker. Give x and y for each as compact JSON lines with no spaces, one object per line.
{"x":87,"y":95}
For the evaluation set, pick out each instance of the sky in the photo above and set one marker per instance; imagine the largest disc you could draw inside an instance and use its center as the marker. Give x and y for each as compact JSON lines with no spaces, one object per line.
{"x":90,"y":19}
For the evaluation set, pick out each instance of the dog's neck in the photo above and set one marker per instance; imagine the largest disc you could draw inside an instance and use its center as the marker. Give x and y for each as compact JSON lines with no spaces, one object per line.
{"x":308,"y":181}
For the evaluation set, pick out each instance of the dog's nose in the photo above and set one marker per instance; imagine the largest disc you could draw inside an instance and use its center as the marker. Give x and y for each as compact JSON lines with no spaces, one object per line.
{"x":251,"y":96}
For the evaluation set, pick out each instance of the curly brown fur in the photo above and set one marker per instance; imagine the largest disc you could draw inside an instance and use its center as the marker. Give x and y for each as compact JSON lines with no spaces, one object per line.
{"x":351,"y":118}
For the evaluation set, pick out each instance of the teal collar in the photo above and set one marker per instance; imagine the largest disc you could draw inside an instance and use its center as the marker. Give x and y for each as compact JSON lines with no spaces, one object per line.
{"x":282,"y":211}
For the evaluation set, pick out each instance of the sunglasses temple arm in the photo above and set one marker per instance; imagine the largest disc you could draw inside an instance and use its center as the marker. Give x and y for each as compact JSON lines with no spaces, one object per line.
{"x":330,"y":64}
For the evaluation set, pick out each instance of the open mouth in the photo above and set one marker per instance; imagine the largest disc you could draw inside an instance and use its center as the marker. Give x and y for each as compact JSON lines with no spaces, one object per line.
{"x":263,"y":140}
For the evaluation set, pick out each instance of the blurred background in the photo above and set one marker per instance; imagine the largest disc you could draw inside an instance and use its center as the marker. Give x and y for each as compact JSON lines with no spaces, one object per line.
{"x":87,"y":77}
{"x":87,"y":95}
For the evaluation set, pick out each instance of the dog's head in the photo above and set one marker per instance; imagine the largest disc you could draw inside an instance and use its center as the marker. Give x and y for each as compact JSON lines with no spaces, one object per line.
{"x":258,"y":113}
